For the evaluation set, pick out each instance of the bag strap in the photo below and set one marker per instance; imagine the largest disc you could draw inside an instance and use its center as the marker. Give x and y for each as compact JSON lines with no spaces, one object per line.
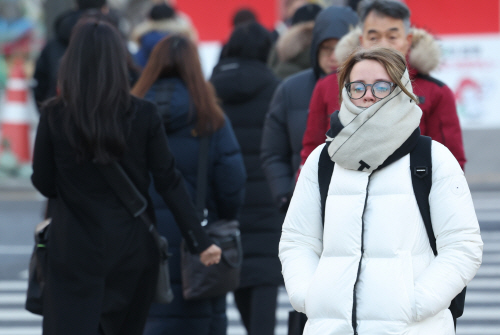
{"x":128,"y":194}
{"x":201,"y":190}
{"x":325,"y":171}
{"x":421,"y":178}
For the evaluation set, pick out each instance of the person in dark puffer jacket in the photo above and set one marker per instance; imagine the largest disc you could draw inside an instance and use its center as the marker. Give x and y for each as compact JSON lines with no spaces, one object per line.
{"x":187,"y":103}
{"x":47,"y":64}
{"x":245,"y":85}
{"x":287,"y":117}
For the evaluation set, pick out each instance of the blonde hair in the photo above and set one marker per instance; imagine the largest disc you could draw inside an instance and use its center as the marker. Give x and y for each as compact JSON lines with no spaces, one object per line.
{"x":392,"y":60}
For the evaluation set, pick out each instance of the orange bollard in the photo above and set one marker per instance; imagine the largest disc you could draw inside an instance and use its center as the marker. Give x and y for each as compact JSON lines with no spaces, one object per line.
{"x":15,"y":115}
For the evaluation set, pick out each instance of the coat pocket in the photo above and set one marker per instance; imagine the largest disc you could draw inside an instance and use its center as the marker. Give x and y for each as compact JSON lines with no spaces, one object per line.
{"x":329,"y":294}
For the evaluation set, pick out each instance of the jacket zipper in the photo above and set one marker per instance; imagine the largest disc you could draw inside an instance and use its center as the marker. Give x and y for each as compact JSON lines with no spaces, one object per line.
{"x":354,"y":316}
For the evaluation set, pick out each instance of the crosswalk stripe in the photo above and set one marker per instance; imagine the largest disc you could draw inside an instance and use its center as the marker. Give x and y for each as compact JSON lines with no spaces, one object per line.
{"x":482,"y":283}
{"x":20,"y":330}
{"x":6,"y":299}
{"x":13,"y":285}
{"x":17,"y":314}
{"x":481,"y":313}
{"x":491,"y":258}
{"x":488,"y":270}
{"x":477,"y":330}
{"x":478,"y":297}
{"x":490,"y":235}
{"x":16,"y":249}
{"x":488,"y":217}
{"x":489,"y":247}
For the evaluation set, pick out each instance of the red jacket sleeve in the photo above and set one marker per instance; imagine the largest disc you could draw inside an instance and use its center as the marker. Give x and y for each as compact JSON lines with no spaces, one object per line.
{"x":317,"y":121}
{"x":443,"y":125}
{"x":324,"y":102}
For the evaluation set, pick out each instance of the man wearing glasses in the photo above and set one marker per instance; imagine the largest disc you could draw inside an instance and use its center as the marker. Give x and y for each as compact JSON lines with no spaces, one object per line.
{"x":387,"y":23}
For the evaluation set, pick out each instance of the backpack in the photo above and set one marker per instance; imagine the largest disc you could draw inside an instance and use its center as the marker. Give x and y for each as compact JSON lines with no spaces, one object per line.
{"x":421,"y":178}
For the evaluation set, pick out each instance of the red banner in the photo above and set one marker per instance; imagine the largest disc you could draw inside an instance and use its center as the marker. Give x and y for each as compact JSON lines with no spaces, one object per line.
{"x":456,"y":16}
{"x":213,"y":18}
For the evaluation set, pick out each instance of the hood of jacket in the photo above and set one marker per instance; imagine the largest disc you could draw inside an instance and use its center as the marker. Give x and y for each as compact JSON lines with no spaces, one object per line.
{"x":176,"y":25}
{"x":424,"y":55}
{"x":331,"y":22}
{"x":174,"y":103}
{"x":64,"y":25}
{"x":294,"y":41}
{"x":238,"y":80}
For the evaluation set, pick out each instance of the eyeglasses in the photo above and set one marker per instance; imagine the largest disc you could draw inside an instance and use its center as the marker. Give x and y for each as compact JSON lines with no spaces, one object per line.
{"x":380,"y":89}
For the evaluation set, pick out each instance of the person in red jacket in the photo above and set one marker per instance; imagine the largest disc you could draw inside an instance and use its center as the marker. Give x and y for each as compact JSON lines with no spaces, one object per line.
{"x":387,"y":23}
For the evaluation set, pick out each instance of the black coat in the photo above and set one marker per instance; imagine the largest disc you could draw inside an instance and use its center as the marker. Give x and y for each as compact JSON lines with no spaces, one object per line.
{"x":286,"y":123}
{"x":283,"y":132}
{"x":101,"y":260}
{"x":225,"y":191}
{"x":47,"y":64}
{"x":245,"y":88}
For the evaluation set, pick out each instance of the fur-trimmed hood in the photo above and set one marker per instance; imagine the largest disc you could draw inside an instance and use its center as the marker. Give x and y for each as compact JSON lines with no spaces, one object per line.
{"x":295,"y":41}
{"x":424,"y":55}
{"x":179,"y":24}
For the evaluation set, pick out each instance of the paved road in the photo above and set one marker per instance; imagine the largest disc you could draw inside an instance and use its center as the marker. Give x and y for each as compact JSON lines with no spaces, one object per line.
{"x":481,"y":317}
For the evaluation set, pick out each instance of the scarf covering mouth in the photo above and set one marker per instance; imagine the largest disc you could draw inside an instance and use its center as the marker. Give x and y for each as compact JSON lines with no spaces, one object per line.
{"x":370,"y":135}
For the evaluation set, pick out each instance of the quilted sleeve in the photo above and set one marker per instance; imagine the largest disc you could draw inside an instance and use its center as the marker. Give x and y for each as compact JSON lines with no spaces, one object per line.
{"x":301,"y":241}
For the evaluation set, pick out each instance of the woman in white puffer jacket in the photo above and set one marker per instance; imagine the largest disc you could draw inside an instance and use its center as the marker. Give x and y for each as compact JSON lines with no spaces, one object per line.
{"x":371,"y":269}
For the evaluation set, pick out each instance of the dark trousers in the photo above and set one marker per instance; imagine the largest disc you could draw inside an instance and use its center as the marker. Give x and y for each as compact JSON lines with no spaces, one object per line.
{"x":116,"y":303}
{"x":257,"y":306}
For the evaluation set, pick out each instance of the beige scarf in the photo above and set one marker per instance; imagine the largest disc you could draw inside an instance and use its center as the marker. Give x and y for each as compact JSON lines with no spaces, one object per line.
{"x":371,"y":135}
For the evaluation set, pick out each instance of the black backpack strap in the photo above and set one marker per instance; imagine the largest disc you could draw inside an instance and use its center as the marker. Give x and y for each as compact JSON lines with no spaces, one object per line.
{"x":421,"y":178}
{"x":325,"y":171}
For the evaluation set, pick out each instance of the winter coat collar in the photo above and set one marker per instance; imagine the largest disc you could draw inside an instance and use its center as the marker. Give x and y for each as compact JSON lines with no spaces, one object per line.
{"x":367,"y":137}
{"x":295,"y":41}
{"x":424,"y":55}
{"x":176,"y":25}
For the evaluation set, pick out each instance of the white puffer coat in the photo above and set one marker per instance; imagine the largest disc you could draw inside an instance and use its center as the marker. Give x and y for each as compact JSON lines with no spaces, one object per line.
{"x":402,"y":288}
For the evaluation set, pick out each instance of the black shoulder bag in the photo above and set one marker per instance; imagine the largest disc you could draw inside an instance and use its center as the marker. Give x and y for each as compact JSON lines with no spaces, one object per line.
{"x":198,"y":280}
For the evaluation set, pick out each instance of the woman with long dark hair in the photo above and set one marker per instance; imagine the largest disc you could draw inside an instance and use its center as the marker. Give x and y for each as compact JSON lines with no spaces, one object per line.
{"x":187,"y":103}
{"x":102,"y":262}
